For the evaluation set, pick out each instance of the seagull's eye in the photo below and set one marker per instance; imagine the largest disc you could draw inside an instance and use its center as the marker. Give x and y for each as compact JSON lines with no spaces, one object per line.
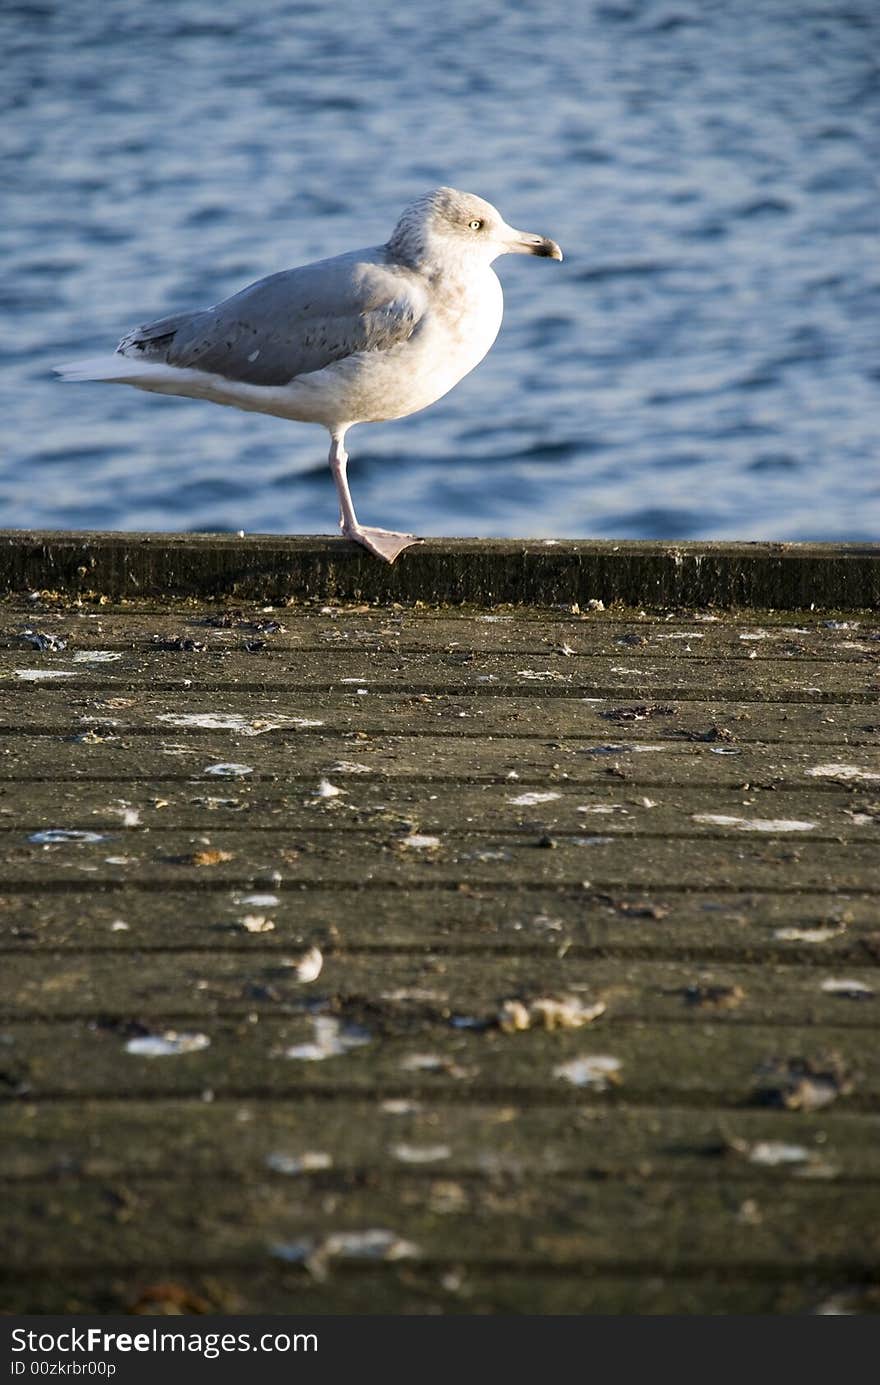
{"x":476,"y":225}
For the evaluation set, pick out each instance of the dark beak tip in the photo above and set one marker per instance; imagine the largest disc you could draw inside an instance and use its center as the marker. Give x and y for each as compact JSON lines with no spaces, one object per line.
{"x":548,"y":249}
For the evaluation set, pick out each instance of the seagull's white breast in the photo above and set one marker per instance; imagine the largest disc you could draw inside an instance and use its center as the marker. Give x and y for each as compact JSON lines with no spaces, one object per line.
{"x":452,"y":337}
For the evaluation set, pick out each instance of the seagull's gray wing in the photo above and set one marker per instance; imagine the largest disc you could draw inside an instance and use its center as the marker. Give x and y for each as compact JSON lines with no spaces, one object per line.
{"x":291,"y":323}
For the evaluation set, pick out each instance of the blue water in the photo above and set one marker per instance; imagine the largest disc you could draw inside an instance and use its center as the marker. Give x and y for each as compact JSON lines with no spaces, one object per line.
{"x":705,"y":363}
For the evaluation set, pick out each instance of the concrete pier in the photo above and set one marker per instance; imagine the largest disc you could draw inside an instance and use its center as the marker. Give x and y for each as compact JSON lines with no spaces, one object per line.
{"x":496,"y":932}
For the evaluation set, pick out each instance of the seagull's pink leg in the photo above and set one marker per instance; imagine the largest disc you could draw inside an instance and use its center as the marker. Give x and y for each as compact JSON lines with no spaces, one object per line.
{"x":384,"y":543}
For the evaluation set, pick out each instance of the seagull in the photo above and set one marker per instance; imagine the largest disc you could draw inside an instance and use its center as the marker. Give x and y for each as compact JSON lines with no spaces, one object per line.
{"x":363,"y":337}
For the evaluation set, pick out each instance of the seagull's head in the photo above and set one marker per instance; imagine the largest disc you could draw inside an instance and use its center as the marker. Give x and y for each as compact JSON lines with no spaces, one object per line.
{"x":449,"y":225}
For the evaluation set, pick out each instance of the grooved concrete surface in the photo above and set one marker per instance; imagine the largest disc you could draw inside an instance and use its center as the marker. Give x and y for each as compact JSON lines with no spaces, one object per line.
{"x":369,"y":958}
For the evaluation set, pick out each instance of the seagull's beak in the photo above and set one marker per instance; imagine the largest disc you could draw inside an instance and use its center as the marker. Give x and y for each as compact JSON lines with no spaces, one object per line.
{"x":524,"y":243}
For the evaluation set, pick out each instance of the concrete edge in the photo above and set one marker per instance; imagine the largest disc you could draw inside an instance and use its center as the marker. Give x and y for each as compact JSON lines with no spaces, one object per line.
{"x":480,"y":572}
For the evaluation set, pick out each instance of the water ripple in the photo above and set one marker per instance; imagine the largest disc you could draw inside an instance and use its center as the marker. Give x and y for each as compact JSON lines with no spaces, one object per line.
{"x":706,"y":361}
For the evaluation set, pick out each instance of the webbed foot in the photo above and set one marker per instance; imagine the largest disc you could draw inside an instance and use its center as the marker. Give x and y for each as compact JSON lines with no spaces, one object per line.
{"x":383,"y":543}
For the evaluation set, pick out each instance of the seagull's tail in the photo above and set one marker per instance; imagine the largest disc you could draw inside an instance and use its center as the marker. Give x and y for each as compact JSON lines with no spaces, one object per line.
{"x":119,"y":369}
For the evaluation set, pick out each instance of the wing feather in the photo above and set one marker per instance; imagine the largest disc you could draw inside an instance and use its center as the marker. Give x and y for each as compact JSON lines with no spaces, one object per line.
{"x":291,"y":323}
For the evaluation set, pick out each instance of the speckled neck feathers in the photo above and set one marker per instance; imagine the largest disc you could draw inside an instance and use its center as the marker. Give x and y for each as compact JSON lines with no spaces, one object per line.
{"x":409,"y":240}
